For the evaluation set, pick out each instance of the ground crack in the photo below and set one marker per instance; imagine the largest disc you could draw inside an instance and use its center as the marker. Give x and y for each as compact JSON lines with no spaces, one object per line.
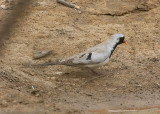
{"x":135,"y":10}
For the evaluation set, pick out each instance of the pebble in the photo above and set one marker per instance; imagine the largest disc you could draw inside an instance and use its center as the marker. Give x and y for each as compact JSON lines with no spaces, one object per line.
{"x":40,"y":54}
{"x":4,"y":103}
{"x":53,"y":78}
{"x":42,"y":3}
{"x":57,"y":73}
{"x":3,"y":6}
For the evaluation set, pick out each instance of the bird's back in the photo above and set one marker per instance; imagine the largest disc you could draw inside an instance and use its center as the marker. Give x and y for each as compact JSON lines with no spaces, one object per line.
{"x":91,"y":57}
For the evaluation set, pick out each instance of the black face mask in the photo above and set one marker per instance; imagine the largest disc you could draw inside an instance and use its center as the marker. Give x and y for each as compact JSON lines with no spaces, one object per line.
{"x":121,"y":40}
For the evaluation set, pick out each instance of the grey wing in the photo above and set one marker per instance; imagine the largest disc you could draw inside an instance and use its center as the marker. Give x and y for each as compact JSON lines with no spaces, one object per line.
{"x":94,"y":55}
{"x":86,"y":58}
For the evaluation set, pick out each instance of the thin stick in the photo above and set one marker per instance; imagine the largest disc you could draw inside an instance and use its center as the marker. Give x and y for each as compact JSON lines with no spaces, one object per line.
{"x":77,"y":90}
{"x":68,"y":4}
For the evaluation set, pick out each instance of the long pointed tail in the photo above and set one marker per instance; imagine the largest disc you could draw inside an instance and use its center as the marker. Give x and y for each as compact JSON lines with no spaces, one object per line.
{"x":42,"y":64}
{"x":49,"y":63}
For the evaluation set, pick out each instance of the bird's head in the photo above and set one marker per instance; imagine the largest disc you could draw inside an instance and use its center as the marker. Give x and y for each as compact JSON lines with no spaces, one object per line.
{"x":119,"y":38}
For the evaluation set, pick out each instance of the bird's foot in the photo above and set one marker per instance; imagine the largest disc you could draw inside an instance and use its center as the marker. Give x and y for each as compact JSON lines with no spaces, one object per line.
{"x":87,"y":82}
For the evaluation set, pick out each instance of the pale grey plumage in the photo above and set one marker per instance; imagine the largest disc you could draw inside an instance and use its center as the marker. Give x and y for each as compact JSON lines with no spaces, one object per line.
{"x":93,"y":57}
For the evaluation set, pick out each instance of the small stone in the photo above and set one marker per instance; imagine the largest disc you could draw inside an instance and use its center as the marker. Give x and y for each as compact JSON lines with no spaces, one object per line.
{"x":3,"y":6}
{"x":53,"y":78}
{"x":40,"y":54}
{"x":79,"y":12}
{"x":37,"y":95}
{"x":33,"y":88}
{"x":57,"y":73}
{"x":88,"y":94}
{"x":42,"y":3}
{"x":77,"y":7}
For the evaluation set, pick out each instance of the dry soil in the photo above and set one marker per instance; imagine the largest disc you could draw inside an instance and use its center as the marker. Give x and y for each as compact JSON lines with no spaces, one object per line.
{"x":132,"y":76}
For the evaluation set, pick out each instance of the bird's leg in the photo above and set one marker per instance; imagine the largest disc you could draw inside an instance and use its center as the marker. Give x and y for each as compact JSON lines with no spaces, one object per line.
{"x":94,"y":72}
{"x":97,"y":73}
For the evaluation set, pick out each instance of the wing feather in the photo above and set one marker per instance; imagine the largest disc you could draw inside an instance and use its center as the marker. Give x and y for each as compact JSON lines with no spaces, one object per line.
{"x":92,"y":56}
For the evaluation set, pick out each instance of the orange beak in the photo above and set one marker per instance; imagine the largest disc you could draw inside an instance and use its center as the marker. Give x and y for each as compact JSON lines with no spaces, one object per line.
{"x":125,"y":42}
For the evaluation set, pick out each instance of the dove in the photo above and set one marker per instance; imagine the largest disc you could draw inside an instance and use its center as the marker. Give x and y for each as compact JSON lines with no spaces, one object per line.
{"x":96,"y":56}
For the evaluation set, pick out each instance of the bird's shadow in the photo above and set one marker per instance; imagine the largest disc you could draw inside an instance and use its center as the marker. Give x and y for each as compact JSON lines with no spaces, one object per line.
{"x":82,"y":75}
{"x":78,"y":74}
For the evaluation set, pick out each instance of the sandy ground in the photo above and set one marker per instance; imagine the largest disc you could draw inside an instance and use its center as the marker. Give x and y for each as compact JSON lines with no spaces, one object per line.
{"x":132,"y":76}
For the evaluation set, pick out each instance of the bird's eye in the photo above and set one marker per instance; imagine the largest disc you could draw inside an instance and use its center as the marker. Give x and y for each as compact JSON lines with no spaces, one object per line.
{"x":122,"y":38}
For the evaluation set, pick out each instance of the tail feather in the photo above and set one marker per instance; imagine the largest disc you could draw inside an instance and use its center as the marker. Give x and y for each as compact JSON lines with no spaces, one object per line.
{"x":42,"y":64}
{"x":49,"y":63}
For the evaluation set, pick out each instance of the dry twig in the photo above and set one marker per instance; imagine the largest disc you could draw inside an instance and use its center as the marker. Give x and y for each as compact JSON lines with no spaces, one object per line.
{"x":68,"y":4}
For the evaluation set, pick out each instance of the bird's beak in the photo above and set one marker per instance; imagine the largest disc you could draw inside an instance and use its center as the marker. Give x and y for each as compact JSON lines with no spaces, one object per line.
{"x":125,"y":42}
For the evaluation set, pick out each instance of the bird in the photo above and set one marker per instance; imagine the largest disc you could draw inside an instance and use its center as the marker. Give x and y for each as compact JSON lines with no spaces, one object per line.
{"x":93,"y":57}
